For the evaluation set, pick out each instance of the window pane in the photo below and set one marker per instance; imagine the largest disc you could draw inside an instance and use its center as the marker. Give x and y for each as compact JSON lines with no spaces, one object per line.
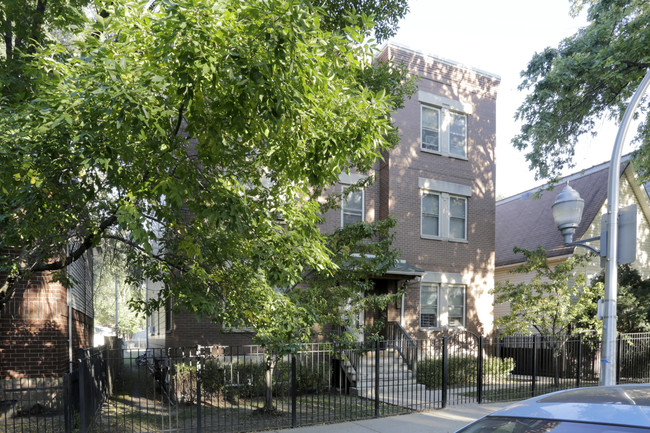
{"x":458,"y":124}
{"x":349,"y":217}
{"x":457,"y":228}
{"x":431,"y":204}
{"x":457,"y":207}
{"x":354,"y":201}
{"x":430,"y":139}
{"x":430,"y":226}
{"x":430,"y":118}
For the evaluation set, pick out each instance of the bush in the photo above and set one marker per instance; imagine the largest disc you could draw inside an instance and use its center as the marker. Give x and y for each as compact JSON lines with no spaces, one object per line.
{"x":246,"y":380}
{"x":462,"y":371}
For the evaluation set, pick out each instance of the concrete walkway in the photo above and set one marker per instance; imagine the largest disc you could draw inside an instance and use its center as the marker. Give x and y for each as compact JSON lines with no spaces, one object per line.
{"x":446,"y":420}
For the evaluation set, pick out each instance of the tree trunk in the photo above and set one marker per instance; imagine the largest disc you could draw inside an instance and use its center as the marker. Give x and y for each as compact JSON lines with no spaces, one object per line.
{"x":268,"y":383}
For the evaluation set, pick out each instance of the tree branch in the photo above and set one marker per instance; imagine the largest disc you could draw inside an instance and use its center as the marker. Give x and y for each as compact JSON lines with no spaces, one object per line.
{"x":86,"y":244}
{"x":158,"y":257}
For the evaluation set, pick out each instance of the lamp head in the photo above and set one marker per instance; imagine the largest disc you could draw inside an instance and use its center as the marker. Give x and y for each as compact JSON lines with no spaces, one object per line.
{"x":567,"y":212}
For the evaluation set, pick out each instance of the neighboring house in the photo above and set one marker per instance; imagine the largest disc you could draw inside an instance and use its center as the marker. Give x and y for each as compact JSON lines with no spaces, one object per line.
{"x":44,"y":323}
{"x":439,"y":183}
{"x":526,"y":221}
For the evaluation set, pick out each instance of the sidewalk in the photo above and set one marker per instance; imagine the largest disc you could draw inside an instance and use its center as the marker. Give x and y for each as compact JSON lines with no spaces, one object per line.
{"x":445,"y":420}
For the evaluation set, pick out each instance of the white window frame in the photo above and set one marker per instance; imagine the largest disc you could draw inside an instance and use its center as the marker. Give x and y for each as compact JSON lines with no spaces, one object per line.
{"x":448,"y":109}
{"x":343,"y":201}
{"x":443,"y":282}
{"x":424,"y":193}
{"x":450,"y":236}
{"x":424,"y":107}
{"x":447,"y":192}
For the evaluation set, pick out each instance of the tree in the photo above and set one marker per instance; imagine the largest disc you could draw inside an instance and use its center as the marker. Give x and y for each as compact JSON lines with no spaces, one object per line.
{"x":205,"y":131}
{"x":589,"y":76}
{"x":360,"y":251}
{"x":552,"y":303}
{"x":633,"y":301}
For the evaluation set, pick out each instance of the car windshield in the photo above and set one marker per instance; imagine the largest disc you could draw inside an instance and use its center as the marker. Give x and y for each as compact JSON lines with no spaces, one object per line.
{"x":533,"y":425}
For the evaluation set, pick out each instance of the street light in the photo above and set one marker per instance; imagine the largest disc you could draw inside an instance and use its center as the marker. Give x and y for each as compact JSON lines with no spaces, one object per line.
{"x":609,"y":235}
{"x":567,"y":212}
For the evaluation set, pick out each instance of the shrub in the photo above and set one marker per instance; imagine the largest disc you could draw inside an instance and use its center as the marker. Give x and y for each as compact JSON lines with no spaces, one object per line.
{"x":462,"y":370}
{"x":246,"y":379}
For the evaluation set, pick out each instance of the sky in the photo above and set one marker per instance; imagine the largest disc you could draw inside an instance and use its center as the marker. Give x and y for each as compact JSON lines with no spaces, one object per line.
{"x":500,"y":37}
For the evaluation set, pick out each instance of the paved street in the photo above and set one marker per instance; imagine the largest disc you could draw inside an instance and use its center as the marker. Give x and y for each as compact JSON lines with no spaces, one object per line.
{"x":436,"y":421}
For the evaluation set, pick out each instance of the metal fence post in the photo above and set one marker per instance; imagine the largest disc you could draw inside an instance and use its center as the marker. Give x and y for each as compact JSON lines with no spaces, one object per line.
{"x":67,"y":404}
{"x":82,"y":395}
{"x":377,"y":379}
{"x":619,"y":357}
{"x":199,"y":423}
{"x":445,"y":368}
{"x":579,"y":366}
{"x":479,"y":378}
{"x":533,"y":389}
{"x":294,"y":389}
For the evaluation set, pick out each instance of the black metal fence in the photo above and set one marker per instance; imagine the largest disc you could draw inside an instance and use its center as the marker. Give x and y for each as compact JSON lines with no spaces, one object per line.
{"x":236,"y":389}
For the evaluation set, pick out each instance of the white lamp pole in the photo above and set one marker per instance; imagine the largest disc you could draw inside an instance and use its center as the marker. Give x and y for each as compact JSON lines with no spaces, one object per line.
{"x":608,"y":351}
{"x":567,"y":212}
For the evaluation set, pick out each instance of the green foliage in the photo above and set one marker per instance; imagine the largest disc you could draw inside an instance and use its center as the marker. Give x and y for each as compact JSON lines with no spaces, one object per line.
{"x":590,"y":75}
{"x":462,"y":370}
{"x":553,"y":302}
{"x":633,"y":301}
{"x":198,"y":134}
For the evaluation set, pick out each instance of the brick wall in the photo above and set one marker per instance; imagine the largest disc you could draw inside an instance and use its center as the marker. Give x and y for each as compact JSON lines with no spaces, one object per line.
{"x":34,"y":330}
{"x":188,"y":331}
{"x":474,"y":259}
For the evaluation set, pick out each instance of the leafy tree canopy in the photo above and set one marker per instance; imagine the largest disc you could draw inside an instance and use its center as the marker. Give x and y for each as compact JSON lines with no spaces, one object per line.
{"x":589,"y":76}
{"x":555,"y":299}
{"x":633,"y":301}
{"x":206,"y":131}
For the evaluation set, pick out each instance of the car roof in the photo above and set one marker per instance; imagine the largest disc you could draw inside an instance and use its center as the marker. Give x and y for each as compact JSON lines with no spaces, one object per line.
{"x":620,"y":404}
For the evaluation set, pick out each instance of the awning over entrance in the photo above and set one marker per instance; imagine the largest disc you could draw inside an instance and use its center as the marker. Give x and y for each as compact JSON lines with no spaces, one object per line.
{"x":403,"y":271}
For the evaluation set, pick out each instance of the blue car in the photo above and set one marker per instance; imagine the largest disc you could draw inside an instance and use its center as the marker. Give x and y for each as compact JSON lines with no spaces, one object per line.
{"x":602,"y":409}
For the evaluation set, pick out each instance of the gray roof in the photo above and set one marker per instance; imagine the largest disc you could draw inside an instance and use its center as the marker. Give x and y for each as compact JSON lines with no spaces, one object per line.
{"x":526,"y":221}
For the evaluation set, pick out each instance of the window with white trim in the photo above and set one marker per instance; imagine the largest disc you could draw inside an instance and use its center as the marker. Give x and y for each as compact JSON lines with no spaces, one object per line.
{"x":430,"y":128}
{"x":352,"y":206}
{"x":443,"y":125}
{"x":443,"y":216}
{"x":457,"y":134}
{"x":457,"y":218}
{"x":442,"y":305}
{"x":430,"y":213}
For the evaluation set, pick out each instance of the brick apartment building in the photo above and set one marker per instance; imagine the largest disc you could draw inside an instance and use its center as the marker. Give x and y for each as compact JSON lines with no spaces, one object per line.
{"x":43,"y":324}
{"x":439,"y":183}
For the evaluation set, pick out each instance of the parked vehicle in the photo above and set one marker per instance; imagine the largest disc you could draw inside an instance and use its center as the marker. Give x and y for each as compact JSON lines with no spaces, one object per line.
{"x":606,"y":409}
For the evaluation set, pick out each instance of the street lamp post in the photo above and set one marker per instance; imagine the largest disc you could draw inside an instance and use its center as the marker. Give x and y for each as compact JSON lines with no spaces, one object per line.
{"x":567,"y":212}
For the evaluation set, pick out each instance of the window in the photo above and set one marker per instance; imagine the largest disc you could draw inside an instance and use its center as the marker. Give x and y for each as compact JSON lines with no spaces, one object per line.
{"x":457,"y":134}
{"x":429,"y":305}
{"x":443,"y":216}
{"x":430,"y":128}
{"x":457,"y":218}
{"x":443,"y":125}
{"x":351,"y":207}
{"x":442,"y":305}
{"x":430,"y":214}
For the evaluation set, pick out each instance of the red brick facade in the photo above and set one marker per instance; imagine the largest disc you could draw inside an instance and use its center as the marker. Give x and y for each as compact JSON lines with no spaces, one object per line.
{"x":34,"y":337}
